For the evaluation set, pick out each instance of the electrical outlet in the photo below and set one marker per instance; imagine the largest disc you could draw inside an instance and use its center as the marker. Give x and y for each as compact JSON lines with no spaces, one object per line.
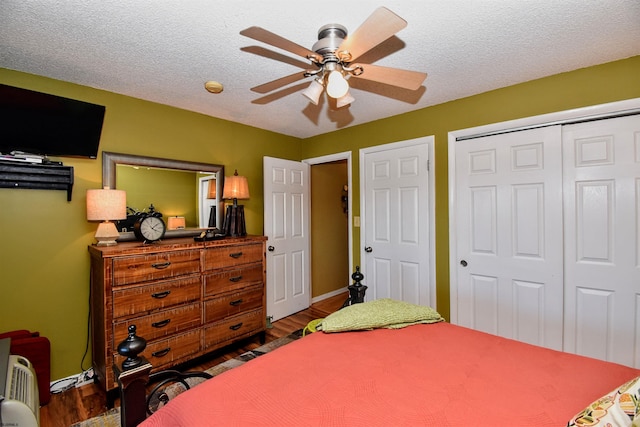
{"x":85,"y":378}
{"x":356,"y":221}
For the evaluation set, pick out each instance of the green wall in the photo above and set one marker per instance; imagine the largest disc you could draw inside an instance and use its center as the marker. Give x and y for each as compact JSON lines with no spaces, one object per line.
{"x":44,"y":265}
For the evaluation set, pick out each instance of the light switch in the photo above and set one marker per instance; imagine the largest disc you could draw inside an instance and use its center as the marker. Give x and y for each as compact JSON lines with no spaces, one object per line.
{"x":356,"y":221}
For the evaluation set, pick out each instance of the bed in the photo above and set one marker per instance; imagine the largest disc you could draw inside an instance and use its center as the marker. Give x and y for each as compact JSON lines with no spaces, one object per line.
{"x":414,"y":373}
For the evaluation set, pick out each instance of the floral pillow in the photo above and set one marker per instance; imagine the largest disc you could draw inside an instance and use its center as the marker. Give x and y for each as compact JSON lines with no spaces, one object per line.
{"x":621,"y":407}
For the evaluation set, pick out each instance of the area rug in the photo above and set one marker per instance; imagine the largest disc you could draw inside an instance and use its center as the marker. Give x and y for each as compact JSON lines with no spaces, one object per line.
{"x":111,"y":418}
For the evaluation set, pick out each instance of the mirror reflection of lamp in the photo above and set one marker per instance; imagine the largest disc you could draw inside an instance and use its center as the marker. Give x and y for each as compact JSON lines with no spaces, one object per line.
{"x":176,"y":223}
{"x":212,"y":195}
{"x":106,"y":205}
{"x":235,"y":187}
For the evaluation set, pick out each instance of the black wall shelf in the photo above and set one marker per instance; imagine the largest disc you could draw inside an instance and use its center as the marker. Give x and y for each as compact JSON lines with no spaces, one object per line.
{"x":36,"y":176}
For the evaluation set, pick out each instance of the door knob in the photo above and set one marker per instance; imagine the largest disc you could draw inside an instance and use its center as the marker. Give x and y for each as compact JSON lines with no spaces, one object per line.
{"x":368,"y":249}
{"x":463,"y":263}
{"x":271,"y":249}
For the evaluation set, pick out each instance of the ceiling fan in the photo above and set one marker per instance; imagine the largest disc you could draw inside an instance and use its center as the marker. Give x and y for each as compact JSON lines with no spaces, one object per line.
{"x":334,"y":56}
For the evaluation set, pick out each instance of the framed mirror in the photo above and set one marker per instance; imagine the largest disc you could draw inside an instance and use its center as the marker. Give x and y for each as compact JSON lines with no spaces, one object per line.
{"x":176,"y":188}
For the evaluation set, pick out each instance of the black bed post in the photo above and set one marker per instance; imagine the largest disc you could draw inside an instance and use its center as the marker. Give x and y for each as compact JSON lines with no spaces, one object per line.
{"x":356,"y":290}
{"x":132,"y":379}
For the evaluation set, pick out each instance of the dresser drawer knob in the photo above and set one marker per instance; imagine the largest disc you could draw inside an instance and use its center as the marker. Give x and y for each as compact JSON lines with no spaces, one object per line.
{"x":236,"y":255}
{"x":236,"y":326}
{"x":161,"y":353}
{"x":236,"y":302}
{"x":161,"y":324}
{"x":235,"y":278}
{"x":161,"y":265}
{"x":160,"y":295}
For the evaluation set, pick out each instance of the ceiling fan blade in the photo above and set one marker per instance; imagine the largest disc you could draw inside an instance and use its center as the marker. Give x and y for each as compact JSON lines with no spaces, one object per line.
{"x":278,"y":83}
{"x":406,"y":79}
{"x":268,"y":37}
{"x":378,"y":27}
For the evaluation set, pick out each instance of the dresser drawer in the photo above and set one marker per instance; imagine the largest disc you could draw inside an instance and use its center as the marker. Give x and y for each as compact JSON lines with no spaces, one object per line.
{"x":233,"y":303}
{"x":166,"y":351}
{"x":233,"y":327}
{"x":140,"y":299}
{"x":159,"y":324}
{"x":143,"y":268}
{"x":229,"y":256}
{"x":230,"y":280}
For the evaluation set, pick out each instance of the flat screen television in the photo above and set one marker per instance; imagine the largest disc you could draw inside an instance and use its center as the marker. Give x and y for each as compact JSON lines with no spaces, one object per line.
{"x":48,"y":125}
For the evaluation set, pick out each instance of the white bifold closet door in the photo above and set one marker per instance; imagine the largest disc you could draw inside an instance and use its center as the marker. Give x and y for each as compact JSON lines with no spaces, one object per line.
{"x":601,"y":166}
{"x":547,"y":237}
{"x":509,"y":235}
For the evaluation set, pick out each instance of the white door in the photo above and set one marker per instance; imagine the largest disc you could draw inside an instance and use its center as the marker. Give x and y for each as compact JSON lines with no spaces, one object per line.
{"x":397,"y":257}
{"x":205,"y":203}
{"x":286,"y":225}
{"x":602,"y":226}
{"x":508,"y":212}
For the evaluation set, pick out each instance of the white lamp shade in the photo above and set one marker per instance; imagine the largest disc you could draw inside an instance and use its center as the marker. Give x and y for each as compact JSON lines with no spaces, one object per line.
{"x":344,"y":100}
{"x":314,"y":91}
{"x":106,"y":205}
{"x":236,"y":187}
{"x":337,"y":85}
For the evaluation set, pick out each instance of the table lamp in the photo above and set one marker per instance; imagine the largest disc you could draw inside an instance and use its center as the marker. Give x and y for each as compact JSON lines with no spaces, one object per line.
{"x":235,"y":187}
{"x":106,"y":205}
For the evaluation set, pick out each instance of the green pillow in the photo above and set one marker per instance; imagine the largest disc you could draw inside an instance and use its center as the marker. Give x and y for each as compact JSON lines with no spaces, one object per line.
{"x":382,"y":313}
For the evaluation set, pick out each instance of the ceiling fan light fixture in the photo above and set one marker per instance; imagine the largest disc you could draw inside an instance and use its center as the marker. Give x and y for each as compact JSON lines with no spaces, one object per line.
{"x":344,"y":100}
{"x":314,"y":91}
{"x":337,"y":85}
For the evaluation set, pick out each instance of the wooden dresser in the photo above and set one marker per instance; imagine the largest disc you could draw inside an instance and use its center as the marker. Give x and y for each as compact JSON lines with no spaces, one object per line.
{"x":186,"y":298}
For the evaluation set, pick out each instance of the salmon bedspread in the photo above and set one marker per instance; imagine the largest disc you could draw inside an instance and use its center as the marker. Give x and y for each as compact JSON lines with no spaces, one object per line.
{"x":429,"y":375}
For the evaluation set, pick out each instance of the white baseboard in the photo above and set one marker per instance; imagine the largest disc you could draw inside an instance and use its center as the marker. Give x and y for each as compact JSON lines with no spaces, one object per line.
{"x":329,"y":295}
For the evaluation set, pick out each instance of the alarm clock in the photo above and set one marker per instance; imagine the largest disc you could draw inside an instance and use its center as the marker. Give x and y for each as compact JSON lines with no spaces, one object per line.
{"x":149,"y":228}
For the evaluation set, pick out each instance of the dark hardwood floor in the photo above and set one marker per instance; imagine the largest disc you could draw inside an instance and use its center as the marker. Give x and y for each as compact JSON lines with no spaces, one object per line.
{"x":79,"y":404}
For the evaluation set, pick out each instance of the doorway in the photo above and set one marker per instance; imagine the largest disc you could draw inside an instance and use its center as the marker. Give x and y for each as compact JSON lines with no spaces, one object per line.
{"x":331,"y":233}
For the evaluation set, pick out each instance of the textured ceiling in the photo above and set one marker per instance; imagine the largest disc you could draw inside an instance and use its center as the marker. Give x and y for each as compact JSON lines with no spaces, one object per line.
{"x":164,"y":51}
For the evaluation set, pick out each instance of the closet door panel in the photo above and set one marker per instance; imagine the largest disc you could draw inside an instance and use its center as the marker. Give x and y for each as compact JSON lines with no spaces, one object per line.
{"x":601,"y":169}
{"x":509,"y":235}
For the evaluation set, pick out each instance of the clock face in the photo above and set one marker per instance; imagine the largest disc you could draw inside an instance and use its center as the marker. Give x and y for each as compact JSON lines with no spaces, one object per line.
{"x":150,"y":228}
